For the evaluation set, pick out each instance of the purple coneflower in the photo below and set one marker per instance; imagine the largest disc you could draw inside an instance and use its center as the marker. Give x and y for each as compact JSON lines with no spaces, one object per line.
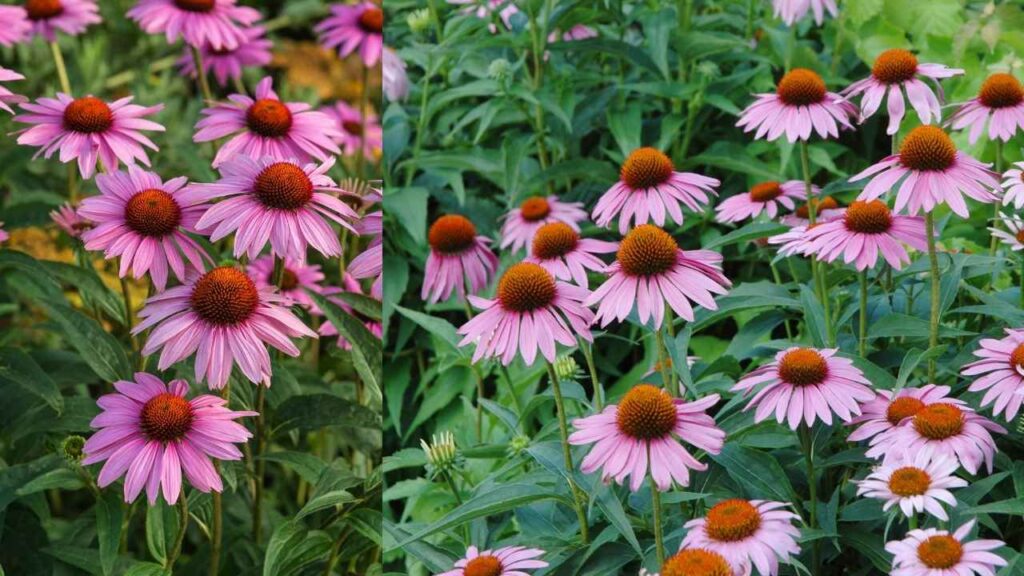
{"x":218,"y":24}
{"x":865,"y":230}
{"x":577,"y":32}
{"x":915,"y":483}
{"x":67,"y":218}
{"x":354,"y":135}
{"x":557,"y":247}
{"x":72,"y":17}
{"x":354,"y":27}
{"x":1002,"y":363}
{"x":824,"y":208}
{"x":1000,"y":104}
{"x":296,"y":277}
{"x":768,"y":197}
{"x":228,"y":63}
{"x":523,"y":222}
{"x":886,"y":410}
{"x":791,"y":11}
{"x":698,"y":562}
{"x":1013,"y":236}
{"x":4,"y":236}
{"x":746,"y":532}
{"x":459,"y":259}
{"x":394,"y":78}
{"x":6,"y":96}
{"x":374,"y":326}
{"x":1013,"y":186}
{"x":17,"y":26}
{"x":800,"y":105}
{"x":149,"y":433}
{"x":370,"y":262}
{"x":935,"y":552}
{"x":507,"y":561}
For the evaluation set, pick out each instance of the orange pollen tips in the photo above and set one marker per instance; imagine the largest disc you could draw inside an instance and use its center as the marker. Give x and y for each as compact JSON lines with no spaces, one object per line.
{"x":826,"y":203}
{"x":152,"y":213}
{"x":269,"y":117}
{"x":939,"y":421}
{"x":940,"y":552}
{"x":533,"y":209}
{"x":1019,"y":236}
{"x":352,"y":127}
{"x":166,"y":417}
{"x":224,"y":296}
{"x":909,"y":481}
{"x":1001,"y":91}
{"x":803,"y":367}
{"x":927,"y":148}
{"x":647,"y":251}
{"x":372,"y":20}
{"x":526,"y":287}
{"x":732,"y":520}
{"x":1017,"y":357}
{"x":451,"y":234}
{"x":284,"y":186}
{"x":195,"y":5}
{"x":765,"y":191}
{"x":646,"y":413}
{"x":868,"y":217}
{"x":800,"y":87}
{"x":483,"y":566}
{"x":43,"y":9}
{"x":554,"y":240}
{"x":289,"y":280}
{"x":88,"y":115}
{"x":646,"y":168}
{"x":902,"y":408}
{"x":696,"y":562}
{"x":894,"y":66}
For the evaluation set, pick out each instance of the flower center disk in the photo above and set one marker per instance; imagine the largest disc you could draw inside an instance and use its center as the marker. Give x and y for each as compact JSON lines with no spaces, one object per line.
{"x":224,"y":296}
{"x":195,"y":5}
{"x":43,"y":9}
{"x":868,"y":217}
{"x":483,"y":566}
{"x":803,"y":367}
{"x":940,"y":552}
{"x":1019,"y":236}
{"x":289,"y":281}
{"x":526,"y":287}
{"x":732,"y":520}
{"x":646,"y":168}
{"x":554,"y":240}
{"x":826,"y":203}
{"x":372,"y":20}
{"x":927,"y":148}
{"x":939,"y":421}
{"x":800,"y":87}
{"x":269,"y":118}
{"x":647,"y":251}
{"x":1001,"y":91}
{"x":451,"y":234}
{"x":696,"y":562}
{"x":909,"y":481}
{"x":533,"y":209}
{"x":1017,"y":358}
{"x":284,"y":186}
{"x":152,"y":213}
{"x":166,"y":417}
{"x":88,"y":115}
{"x":352,"y":127}
{"x":902,"y":408}
{"x":894,"y":66}
{"x":646,"y":413}
{"x":765,"y":191}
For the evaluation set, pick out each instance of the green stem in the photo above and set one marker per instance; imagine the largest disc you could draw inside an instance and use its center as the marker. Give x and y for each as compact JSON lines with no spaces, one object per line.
{"x":912,"y":522}
{"x":996,"y":205}
{"x":933,"y":260}
{"x":563,"y":428}
{"x":204,"y":82}
{"x":808,"y":447}
{"x":217,"y":531}
{"x":659,"y":539}
{"x":863,"y":320}
{"x":480,"y":384}
{"x":62,"y":70}
{"x":805,"y":163}
{"x":778,"y":281}
{"x":421,"y":125}
{"x":182,"y":527}
{"x":257,"y":497}
{"x":663,"y":361}
{"x":588,"y":354}
{"x":539,"y":38}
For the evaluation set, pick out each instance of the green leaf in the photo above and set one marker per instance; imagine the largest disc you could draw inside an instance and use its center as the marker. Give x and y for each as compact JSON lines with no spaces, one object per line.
{"x":367,"y":356}
{"x":435,"y":326}
{"x":752,"y":231}
{"x":1013,"y":506}
{"x":434,"y":558}
{"x":147,"y":569}
{"x":59,"y":478}
{"x":913,"y":358}
{"x":307,"y":466}
{"x":814,"y":316}
{"x":89,"y":285}
{"x":20,"y":369}
{"x":286,"y":537}
{"x":314,"y":411}
{"x":760,"y":475}
{"x":324,"y":502}
{"x":409,"y":207}
{"x":101,"y":351}
{"x":161,"y":526}
{"x":895,"y":325}
{"x":14,"y":477}
{"x":365,"y":305}
{"x":108,"y":527}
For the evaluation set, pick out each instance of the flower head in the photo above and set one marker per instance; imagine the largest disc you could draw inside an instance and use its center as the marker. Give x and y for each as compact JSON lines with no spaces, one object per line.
{"x":523,"y":222}
{"x":373,"y":325}
{"x":67,"y":218}
{"x":219,"y":24}
{"x":16,"y":28}
{"x":557,"y":247}
{"x":800,"y":105}
{"x":865,"y":230}
{"x":932,"y":171}
{"x":223,"y":317}
{"x":1002,"y":367}
{"x":1013,"y":236}
{"x":746,"y":532}
{"x":354,"y":27}
{"x":72,"y":17}
{"x":355,"y":136}
{"x":266,"y":126}
{"x":651,"y":271}
{"x":887,"y":410}
{"x":508,"y":561}
{"x":934,"y":552}
{"x":767,"y":197}
{"x":227,"y":63}
{"x":394,"y":77}
{"x":6,"y":96}
{"x":649,"y":188}
{"x":1000,"y":104}
{"x":791,"y":11}
{"x":459,"y":259}
{"x":149,"y":433}
{"x":88,"y":129}
{"x":824,"y":209}
{"x":806,"y":384}
{"x":370,"y":262}
{"x":144,"y":220}
{"x":441,"y":452}
{"x":917,"y":484}
{"x":296,"y":277}
{"x":643,"y":432}
{"x":1013,"y":186}
{"x":698,"y":562}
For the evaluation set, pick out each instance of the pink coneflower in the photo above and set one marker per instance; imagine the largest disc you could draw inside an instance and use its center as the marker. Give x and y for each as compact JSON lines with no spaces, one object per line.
{"x":934,"y":552}
{"x":800,"y":105}
{"x":945,"y":429}
{"x":1000,"y":104}
{"x":144,"y":221}
{"x":894,"y":71}
{"x":276,"y":201}
{"x":374,"y":326}
{"x":648,"y":188}
{"x":3,"y":233}
{"x":1002,"y":363}
{"x":643,"y":432}
{"x":370,"y":262}
{"x":483,"y":9}
{"x":557,"y":247}
{"x":148,"y":430}
{"x":88,"y":129}
{"x":917,"y":484}
{"x":457,"y":257}
{"x":792,"y":242}
{"x":531,"y":303}
{"x":72,"y":17}
{"x":296,"y":277}
{"x":523,"y":222}
{"x":354,"y":136}
{"x":790,"y":11}
{"x":268,"y":127}
{"x":394,"y":78}
{"x":228,"y":63}
{"x":218,"y":24}
{"x":885,"y":411}
{"x":650,"y":271}
{"x":507,"y":561}
{"x":932,"y":171}
{"x":67,"y":218}
{"x":865,"y":230}
{"x":6,"y":96}
{"x":222,"y":315}
{"x":1013,"y":186}
{"x":17,"y":26}
{"x":823,"y":208}
{"x":698,"y":562}
{"x":806,"y":384}
{"x":745,"y":532}
{"x":768,"y":197}
{"x":354,"y":27}
{"x":1013,"y":236}
{"x":577,"y":32}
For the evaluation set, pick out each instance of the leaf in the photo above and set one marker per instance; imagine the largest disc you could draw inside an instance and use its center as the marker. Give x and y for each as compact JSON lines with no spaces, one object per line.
{"x":752,"y":231}
{"x":85,"y":280}
{"x":314,"y":411}
{"x":913,"y":358}
{"x":409,"y":207}
{"x":435,"y":326}
{"x":760,"y":475}
{"x":367,"y":355}
{"x":14,"y":477}
{"x":19,"y":368}
{"x":612,"y":509}
{"x":147,"y":569}
{"x":365,"y":305}
{"x":108,"y":527}
{"x":286,"y":536}
{"x":307,"y":466}
{"x":814,"y":316}
{"x":1013,"y":506}
{"x":60,"y":478}
{"x":161,"y":526}
{"x":433,"y":557}
{"x":324,"y":502}
{"x":101,"y":351}
{"x":895,"y":325}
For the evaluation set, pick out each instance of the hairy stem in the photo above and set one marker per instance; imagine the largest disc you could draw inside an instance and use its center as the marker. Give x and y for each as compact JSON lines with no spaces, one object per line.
{"x":588,"y":354}
{"x":62,"y":70}
{"x":862,"y":327}
{"x":933,"y":261}
{"x":204,"y":82}
{"x":563,"y":428}
{"x":659,"y":538}
{"x":180,"y":538}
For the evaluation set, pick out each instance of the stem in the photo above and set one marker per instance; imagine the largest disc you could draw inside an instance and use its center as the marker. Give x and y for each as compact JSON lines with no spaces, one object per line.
{"x":73,"y":183}
{"x":204,"y":82}
{"x":563,"y":428}
{"x":805,"y":163}
{"x":778,"y":282}
{"x":659,"y":539}
{"x":182,"y":527}
{"x":217,"y":533}
{"x":588,"y":354}
{"x":995,"y":205}
{"x":863,"y":324}
{"x":539,"y":39}
{"x":257,"y":497}
{"x":480,"y":384}
{"x":62,"y":70}
{"x":126,"y":293}
{"x":812,"y":485}
{"x":410,"y":166}
{"x":329,"y":569}
{"x":933,"y":259}
{"x":912,"y":522}
{"x":663,"y":360}
{"x":826,"y":305}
